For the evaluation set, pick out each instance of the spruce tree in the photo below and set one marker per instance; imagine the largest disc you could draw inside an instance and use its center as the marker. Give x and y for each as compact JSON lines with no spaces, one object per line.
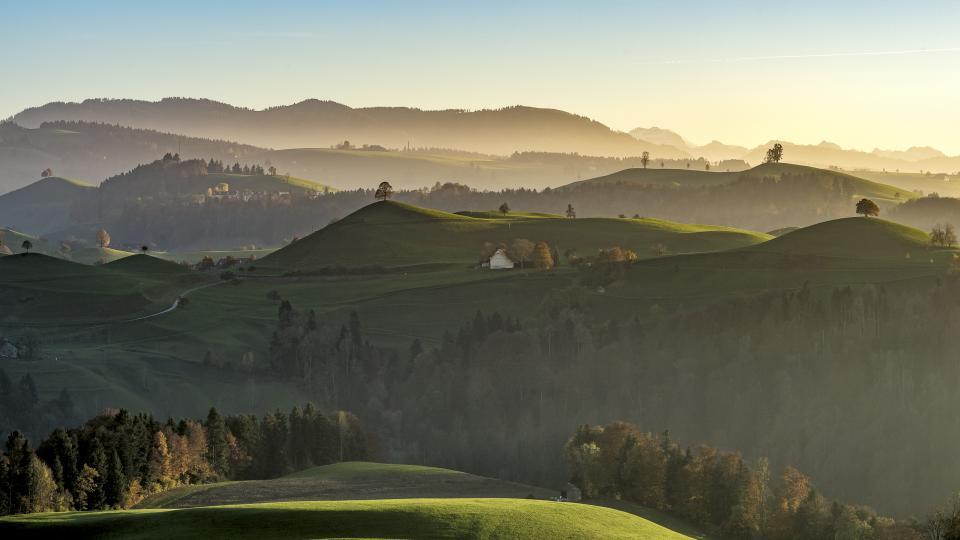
{"x":217,"y":452}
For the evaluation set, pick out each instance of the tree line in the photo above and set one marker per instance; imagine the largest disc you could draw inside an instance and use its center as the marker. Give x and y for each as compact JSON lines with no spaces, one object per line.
{"x":117,"y":458}
{"x":717,"y":490}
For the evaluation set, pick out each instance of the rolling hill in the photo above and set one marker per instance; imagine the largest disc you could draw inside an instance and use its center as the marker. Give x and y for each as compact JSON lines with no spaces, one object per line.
{"x":95,"y":151}
{"x":363,"y":500}
{"x":406,"y":518}
{"x":43,"y":290}
{"x":393,"y":234}
{"x":861,"y":238}
{"x":45,"y":204}
{"x":855,"y":186}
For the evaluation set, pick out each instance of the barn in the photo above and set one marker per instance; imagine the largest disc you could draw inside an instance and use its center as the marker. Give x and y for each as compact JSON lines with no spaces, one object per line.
{"x":500,"y":261}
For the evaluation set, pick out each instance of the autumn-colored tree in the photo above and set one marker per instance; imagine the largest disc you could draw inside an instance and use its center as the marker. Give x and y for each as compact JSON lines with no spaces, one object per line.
{"x":520,"y":250}
{"x":542,"y":256}
{"x":103,"y":238}
{"x":867,"y":208}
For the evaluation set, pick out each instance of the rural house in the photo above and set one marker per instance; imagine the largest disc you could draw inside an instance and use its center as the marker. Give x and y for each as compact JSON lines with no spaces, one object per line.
{"x":499,"y":260}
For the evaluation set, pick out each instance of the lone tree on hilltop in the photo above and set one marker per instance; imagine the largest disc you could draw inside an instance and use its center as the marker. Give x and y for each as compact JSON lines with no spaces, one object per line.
{"x":774,"y":154}
{"x":144,"y":249}
{"x":504,"y":209}
{"x":27,"y":246}
{"x":521,"y":250}
{"x":542,"y":256}
{"x":384,"y":191}
{"x":943,"y":236}
{"x":46,"y":172}
{"x":645,"y":158}
{"x":571,"y":213}
{"x":103,"y":238}
{"x":868,"y":208}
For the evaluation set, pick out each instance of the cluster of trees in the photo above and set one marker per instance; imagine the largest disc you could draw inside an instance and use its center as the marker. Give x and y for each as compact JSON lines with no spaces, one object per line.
{"x":117,"y":458}
{"x":717,"y":490}
{"x":607,"y":266}
{"x":216,"y":166}
{"x":943,"y":236}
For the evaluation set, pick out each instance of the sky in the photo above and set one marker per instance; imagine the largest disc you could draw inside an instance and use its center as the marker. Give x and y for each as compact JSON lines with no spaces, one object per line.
{"x":860,"y":74}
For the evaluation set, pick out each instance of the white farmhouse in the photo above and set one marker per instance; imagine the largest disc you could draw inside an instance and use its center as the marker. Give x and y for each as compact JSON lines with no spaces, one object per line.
{"x":500,"y":261}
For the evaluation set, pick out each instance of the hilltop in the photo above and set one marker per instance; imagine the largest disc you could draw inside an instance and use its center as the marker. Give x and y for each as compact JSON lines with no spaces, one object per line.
{"x":347,"y":481}
{"x":394,"y":234}
{"x":46,"y":204}
{"x":851,"y":238}
{"x":43,"y":289}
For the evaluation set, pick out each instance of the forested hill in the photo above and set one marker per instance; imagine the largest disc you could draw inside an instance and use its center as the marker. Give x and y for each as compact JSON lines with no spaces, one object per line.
{"x":94,"y":151}
{"x":314,"y":123}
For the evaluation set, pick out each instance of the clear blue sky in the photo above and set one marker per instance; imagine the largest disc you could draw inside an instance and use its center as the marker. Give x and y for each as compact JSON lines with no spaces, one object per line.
{"x":862,"y":74}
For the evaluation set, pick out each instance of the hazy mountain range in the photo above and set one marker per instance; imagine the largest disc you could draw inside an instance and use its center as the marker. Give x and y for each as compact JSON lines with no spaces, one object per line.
{"x":313,"y":123}
{"x":825,"y":154}
{"x":96,"y":138}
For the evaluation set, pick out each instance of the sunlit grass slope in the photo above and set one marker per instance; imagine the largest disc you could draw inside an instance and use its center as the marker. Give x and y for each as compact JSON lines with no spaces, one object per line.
{"x":348,"y":481}
{"x":390,"y":518}
{"x":852,"y":238}
{"x":395,"y":234}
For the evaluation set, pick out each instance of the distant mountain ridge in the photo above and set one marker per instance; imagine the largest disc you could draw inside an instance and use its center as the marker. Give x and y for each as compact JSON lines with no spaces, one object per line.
{"x":825,"y":154}
{"x":314,"y":123}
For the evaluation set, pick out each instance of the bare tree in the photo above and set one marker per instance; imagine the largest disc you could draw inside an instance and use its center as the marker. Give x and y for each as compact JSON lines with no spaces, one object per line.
{"x":645,"y":158}
{"x":943,"y":236}
{"x":571,"y":213}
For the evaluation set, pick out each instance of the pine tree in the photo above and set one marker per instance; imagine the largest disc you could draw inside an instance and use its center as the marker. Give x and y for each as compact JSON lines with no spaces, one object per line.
{"x":115,"y":488}
{"x":218,"y":454}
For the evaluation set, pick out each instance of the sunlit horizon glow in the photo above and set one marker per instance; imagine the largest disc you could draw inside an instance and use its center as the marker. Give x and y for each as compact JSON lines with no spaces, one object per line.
{"x":862,"y":75}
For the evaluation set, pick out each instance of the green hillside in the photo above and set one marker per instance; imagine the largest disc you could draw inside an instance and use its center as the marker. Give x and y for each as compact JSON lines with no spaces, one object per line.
{"x":260,"y":182}
{"x":347,"y":481}
{"x":685,"y":178}
{"x":395,"y":234}
{"x":146,"y":265}
{"x":831,"y":254}
{"x":44,"y":205}
{"x":95,"y":255}
{"x":39,"y":289}
{"x":407,"y":518}
{"x":852,"y":238}
{"x":662,"y":177}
